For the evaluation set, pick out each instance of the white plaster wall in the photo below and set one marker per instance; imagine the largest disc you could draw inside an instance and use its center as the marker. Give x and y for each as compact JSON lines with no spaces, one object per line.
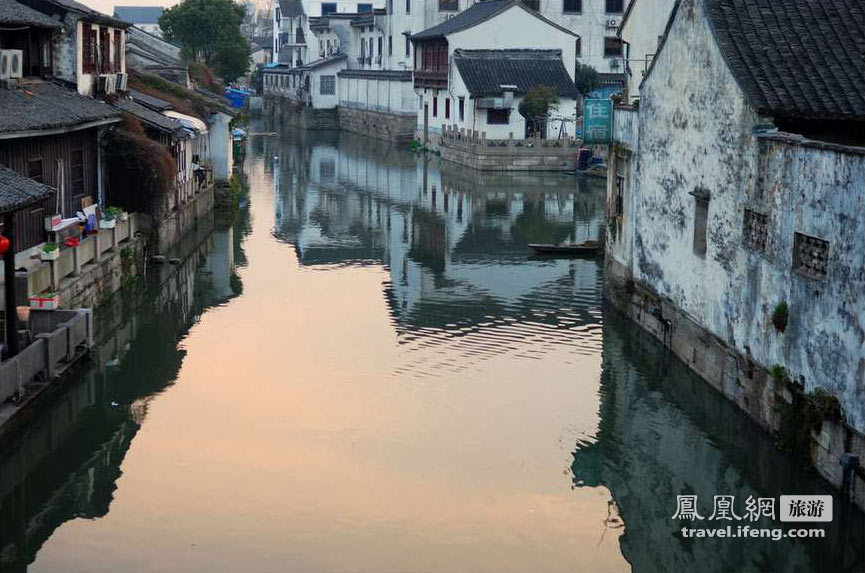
{"x":642,"y":32}
{"x":221,"y":148}
{"x":86,"y":82}
{"x":696,"y":131}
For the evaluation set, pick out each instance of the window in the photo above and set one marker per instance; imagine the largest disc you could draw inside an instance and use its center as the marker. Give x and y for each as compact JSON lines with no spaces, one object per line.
{"x":435,"y":107}
{"x":579,"y":47}
{"x":615,"y":6}
{"x":810,"y":256}
{"x":88,"y":49}
{"x":105,"y":50}
{"x":462,"y":109}
{"x":328,"y":8}
{"x":77,"y":168}
{"x":449,"y":5}
{"x":755,"y":230}
{"x":408,"y":6}
{"x":364,"y":8}
{"x":498,"y":116}
{"x":118,"y":51}
{"x":390,"y":45}
{"x":407,"y":47}
{"x":621,"y":170}
{"x":532,"y":4}
{"x":701,"y":220}
{"x":34,"y":170}
{"x":327,"y":85}
{"x":572,"y":6}
{"x":612,"y":47}
{"x":447,"y":108}
{"x":380,"y":50}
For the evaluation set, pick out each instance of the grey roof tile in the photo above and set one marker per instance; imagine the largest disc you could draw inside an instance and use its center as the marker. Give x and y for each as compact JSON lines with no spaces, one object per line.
{"x":12,"y":12}
{"x":150,"y":101}
{"x":476,"y":14}
{"x":18,"y":192}
{"x":485,"y":71}
{"x":139,"y":14}
{"x":46,"y":105}
{"x":798,"y":59}
{"x":150,"y":118}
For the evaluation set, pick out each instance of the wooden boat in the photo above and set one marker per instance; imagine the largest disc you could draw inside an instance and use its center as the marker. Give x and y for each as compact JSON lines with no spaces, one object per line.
{"x":585,"y":248}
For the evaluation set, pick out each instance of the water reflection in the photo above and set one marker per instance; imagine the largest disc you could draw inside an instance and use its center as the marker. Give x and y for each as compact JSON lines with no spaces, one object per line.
{"x":66,"y":463}
{"x":663,"y":433}
{"x":453,"y":240}
{"x":401,"y":386}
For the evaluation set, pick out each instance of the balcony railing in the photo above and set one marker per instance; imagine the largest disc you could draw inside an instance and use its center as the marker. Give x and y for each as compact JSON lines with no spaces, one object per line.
{"x":436,"y":79}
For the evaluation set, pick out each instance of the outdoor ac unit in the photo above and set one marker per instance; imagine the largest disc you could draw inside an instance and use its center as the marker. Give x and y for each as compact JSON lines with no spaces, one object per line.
{"x":122,"y":79}
{"x":615,"y":64}
{"x":490,"y":103}
{"x":10,"y":64}
{"x":107,"y":85}
{"x":612,"y":23}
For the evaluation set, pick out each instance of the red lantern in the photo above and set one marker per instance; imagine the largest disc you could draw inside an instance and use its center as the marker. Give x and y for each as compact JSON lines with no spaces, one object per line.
{"x":4,"y":244}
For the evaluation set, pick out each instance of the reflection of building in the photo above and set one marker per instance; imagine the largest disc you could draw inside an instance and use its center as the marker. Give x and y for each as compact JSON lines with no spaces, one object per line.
{"x":65,"y":465}
{"x":436,"y":227}
{"x":663,"y":433}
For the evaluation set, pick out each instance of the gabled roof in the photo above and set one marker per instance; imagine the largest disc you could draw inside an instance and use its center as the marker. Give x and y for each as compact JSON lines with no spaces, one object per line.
{"x":18,"y":192}
{"x":290,"y":8}
{"x":85,"y":12}
{"x":46,"y":106}
{"x":150,"y":101}
{"x":324,"y":61}
{"x":139,"y":14}
{"x":797,"y":59}
{"x":151,"y":118}
{"x":477,"y":14}
{"x":485,"y":71}
{"x":15,"y":13}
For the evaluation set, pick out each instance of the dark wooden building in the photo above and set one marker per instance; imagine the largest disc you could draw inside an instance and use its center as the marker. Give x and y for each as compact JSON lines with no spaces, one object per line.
{"x":50,"y":134}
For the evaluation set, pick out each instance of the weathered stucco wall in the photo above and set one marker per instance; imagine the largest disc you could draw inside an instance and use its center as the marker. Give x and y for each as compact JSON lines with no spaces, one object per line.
{"x":698,"y":143}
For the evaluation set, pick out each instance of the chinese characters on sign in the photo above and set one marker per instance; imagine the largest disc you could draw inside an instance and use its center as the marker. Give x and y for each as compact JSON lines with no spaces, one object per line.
{"x":791,"y":508}
{"x":598,"y":121}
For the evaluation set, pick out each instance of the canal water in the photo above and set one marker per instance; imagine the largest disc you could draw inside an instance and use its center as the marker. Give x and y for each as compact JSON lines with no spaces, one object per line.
{"x":365,"y":370}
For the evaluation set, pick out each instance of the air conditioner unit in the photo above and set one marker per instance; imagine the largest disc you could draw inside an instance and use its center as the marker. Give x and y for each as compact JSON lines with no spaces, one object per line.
{"x":612,"y":23}
{"x":107,"y":85}
{"x":490,"y":103}
{"x":615,"y":64}
{"x":10,"y":64}
{"x":121,"y":82}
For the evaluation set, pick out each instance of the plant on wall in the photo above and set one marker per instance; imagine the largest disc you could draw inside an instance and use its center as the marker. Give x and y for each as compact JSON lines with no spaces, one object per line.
{"x":779,"y":316}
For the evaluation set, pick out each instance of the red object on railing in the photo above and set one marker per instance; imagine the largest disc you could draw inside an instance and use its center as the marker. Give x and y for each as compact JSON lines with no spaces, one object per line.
{"x":4,"y":244}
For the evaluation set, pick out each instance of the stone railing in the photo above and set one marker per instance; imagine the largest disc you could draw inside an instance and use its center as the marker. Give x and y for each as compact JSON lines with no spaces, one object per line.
{"x":59,"y":338}
{"x":46,"y":276}
{"x":462,"y":137}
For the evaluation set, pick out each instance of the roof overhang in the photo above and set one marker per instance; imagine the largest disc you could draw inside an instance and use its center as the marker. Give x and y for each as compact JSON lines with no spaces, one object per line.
{"x":60,"y":130}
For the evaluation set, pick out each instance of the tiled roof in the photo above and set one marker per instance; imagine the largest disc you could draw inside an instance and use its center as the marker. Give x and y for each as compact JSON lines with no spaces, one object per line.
{"x":150,"y":101}
{"x":18,"y":192}
{"x":798,"y":59}
{"x":478,"y":13}
{"x":485,"y":71}
{"x":150,"y":118}
{"x":85,"y":12}
{"x":139,"y":14}
{"x":290,"y":8}
{"x":324,"y":61}
{"x":12,"y":12}
{"x":45,"y":105}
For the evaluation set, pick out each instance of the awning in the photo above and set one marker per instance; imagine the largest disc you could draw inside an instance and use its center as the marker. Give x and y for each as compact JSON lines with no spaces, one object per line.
{"x":188,"y":121}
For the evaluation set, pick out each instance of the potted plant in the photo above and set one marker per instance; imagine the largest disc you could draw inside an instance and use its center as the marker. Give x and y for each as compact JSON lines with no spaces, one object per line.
{"x":45,"y":301}
{"x":50,"y":252}
{"x":109,"y":218}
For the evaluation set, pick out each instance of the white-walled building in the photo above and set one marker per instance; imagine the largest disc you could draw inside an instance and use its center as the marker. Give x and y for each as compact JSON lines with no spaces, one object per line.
{"x":641,"y":31}
{"x":294,"y":44}
{"x":472,"y":70}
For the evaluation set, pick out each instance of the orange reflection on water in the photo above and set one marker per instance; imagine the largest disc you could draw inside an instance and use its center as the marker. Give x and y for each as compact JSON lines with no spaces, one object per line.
{"x":291,"y":441}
